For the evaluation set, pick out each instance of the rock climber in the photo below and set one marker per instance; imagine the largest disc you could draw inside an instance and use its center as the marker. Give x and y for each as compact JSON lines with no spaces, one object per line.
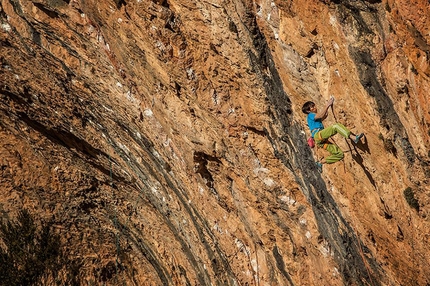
{"x":321,"y":134}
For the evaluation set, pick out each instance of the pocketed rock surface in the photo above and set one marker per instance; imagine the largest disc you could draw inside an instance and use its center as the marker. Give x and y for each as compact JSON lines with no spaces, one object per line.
{"x":164,"y":140}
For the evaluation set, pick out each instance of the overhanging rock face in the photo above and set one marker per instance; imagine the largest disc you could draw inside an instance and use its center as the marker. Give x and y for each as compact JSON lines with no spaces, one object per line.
{"x":163,"y":143}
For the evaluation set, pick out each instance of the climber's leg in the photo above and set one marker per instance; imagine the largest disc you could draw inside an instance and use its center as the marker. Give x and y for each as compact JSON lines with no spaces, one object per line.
{"x":336,"y":154}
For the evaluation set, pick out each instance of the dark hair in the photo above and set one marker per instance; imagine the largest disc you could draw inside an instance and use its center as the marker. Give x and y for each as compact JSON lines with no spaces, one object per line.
{"x":306,"y":108}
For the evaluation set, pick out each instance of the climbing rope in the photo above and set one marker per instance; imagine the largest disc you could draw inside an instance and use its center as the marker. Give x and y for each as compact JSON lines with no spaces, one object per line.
{"x":335,"y":119}
{"x":354,"y":229}
{"x":362,"y":254}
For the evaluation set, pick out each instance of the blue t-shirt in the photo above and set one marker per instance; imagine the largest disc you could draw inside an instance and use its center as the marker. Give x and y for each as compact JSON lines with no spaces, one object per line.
{"x":314,"y":125}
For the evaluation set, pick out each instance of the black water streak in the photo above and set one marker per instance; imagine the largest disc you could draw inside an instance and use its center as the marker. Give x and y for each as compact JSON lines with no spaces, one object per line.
{"x":295,"y":155}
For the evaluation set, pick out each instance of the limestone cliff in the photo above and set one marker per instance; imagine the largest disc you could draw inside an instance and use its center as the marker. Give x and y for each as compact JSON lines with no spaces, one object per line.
{"x":164,"y":141}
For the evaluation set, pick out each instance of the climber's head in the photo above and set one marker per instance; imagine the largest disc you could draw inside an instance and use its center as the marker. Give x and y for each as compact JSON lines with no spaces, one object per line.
{"x":309,"y":107}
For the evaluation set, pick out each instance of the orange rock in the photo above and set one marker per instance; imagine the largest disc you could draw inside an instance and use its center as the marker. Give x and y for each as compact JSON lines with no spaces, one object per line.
{"x":166,"y":142}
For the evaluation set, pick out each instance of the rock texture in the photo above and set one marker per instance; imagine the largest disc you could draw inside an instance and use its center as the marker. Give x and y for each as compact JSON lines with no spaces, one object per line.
{"x":164,"y":139}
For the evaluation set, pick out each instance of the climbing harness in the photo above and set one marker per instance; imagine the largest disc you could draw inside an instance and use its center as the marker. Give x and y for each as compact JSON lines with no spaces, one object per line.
{"x":322,"y":140}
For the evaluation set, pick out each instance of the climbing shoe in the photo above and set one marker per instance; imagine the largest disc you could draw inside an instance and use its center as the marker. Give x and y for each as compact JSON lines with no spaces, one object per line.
{"x":358,"y":137}
{"x":319,"y":167}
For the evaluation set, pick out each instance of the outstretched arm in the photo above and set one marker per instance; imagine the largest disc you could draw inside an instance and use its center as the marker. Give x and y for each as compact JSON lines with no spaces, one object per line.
{"x":324,"y":112}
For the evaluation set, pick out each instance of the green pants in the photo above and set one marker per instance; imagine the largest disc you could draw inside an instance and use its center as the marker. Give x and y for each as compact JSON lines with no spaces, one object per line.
{"x":321,"y":137}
